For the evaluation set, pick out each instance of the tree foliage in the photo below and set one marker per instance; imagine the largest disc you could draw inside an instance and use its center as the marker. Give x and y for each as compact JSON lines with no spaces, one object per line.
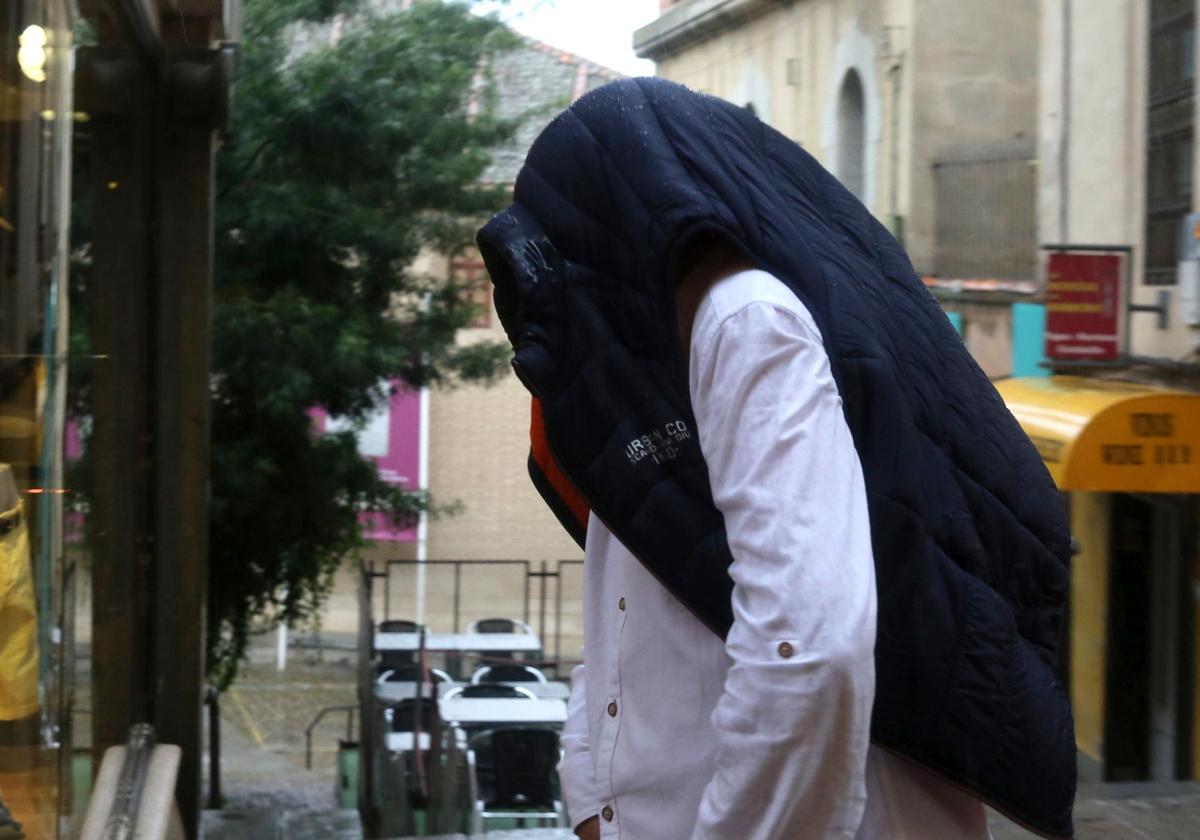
{"x":349,"y":155}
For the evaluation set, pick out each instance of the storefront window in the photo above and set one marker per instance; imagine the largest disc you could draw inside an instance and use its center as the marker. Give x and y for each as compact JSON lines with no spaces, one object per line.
{"x":35,"y":61}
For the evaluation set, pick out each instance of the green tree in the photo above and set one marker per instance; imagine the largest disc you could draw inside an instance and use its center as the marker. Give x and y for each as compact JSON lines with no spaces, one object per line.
{"x":348,"y":156}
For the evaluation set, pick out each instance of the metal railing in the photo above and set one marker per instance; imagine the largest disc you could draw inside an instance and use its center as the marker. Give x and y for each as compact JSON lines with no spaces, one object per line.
{"x":457,"y":566}
{"x":122,"y":819}
{"x":986,"y":214}
{"x":134,"y":794}
{"x":543,"y":574}
{"x":351,"y":711}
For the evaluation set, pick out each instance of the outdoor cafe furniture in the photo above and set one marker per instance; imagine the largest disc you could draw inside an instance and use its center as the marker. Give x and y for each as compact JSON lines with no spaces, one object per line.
{"x":515,"y":775}
{"x":408,"y":741}
{"x":393,"y":691}
{"x":507,"y":674}
{"x":410,"y":674}
{"x":493,"y":711}
{"x":458,"y":642}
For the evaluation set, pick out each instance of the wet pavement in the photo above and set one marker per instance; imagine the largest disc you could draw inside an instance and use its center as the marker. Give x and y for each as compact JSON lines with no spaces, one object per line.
{"x":521,"y":834}
{"x":1127,"y":811}
{"x":269,"y":795}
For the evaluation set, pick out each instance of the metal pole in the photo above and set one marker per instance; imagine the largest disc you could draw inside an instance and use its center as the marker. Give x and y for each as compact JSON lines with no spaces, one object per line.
{"x":281,"y":643}
{"x":457,"y":593}
{"x":418,"y":714}
{"x":1064,"y":139}
{"x":542,"y":603}
{"x":423,"y":483}
{"x":122,"y":819}
{"x":558,"y":588}
{"x":387,"y":591}
{"x":525,"y":617}
{"x":213,"y":701}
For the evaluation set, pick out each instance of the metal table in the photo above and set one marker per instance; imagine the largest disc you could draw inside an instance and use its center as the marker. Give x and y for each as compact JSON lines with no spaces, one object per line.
{"x":396,"y":691}
{"x":438,"y":642}
{"x":493,"y":710}
{"x":404,"y":741}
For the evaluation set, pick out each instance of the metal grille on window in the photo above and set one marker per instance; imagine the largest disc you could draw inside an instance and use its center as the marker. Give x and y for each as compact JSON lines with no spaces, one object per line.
{"x":986,"y":200}
{"x":1170,"y":134}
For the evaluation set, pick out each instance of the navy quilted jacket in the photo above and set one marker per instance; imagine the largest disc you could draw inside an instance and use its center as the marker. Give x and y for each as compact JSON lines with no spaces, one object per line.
{"x":971,"y":546}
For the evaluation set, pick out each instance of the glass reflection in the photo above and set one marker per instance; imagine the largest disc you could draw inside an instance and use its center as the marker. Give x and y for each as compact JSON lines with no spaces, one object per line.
{"x":34,"y":135}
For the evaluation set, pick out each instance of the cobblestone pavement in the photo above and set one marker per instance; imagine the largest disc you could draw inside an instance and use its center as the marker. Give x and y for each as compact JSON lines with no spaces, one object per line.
{"x":1130,"y":812}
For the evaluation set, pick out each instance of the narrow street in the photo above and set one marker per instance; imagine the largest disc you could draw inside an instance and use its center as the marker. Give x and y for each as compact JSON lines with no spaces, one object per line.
{"x":266,"y":789}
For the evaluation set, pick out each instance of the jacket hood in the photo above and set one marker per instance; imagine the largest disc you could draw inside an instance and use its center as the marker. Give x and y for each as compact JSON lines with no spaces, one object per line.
{"x":647,"y":164}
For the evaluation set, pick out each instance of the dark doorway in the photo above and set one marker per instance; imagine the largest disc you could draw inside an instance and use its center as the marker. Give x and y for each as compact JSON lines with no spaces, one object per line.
{"x":1148,"y":685}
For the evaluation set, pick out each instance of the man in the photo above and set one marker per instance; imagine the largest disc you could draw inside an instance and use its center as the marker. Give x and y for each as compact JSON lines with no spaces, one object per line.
{"x":780,"y":459}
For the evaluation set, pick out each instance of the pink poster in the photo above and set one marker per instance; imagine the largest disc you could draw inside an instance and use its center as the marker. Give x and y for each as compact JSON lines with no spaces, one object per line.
{"x":392,"y":439}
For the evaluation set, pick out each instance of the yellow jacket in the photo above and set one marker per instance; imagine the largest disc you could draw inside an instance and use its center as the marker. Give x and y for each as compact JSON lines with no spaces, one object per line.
{"x":18,"y":620}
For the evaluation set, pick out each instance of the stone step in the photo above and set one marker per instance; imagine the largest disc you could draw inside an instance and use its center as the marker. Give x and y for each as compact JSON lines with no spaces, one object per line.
{"x":511,"y":834}
{"x":294,"y":824}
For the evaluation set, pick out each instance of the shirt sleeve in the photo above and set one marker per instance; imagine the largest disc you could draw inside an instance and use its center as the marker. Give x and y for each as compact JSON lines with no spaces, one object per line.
{"x":793,"y":723}
{"x":575,"y":769}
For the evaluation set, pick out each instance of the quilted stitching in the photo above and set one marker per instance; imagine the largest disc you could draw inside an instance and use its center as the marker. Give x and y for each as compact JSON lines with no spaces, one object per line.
{"x":970,"y":541}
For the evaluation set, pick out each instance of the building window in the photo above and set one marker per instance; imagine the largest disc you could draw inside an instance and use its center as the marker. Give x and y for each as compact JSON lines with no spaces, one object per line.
{"x":1170,"y":134}
{"x":470,"y":277}
{"x":852,"y":131}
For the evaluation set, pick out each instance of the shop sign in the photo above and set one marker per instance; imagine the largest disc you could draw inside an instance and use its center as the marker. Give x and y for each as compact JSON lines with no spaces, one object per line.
{"x":1083,"y":305}
{"x":1150,"y":444}
{"x":1107,"y":436}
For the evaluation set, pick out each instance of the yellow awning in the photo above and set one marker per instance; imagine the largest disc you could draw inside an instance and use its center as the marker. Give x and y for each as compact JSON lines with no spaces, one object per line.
{"x":1110,"y":436}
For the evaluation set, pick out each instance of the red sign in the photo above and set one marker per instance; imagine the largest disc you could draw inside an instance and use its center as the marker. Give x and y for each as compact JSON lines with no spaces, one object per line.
{"x":1083,"y":305}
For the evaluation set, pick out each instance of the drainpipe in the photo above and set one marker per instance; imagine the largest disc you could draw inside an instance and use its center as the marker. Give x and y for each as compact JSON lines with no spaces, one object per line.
{"x":897,"y":73}
{"x":1064,"y":138}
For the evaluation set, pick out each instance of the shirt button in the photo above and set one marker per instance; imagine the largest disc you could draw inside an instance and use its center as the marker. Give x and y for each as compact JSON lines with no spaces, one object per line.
{"x":607,"y":813}
{"x":786,"y":650}
{"x":621,"y":604}
{"x":612,"y":709}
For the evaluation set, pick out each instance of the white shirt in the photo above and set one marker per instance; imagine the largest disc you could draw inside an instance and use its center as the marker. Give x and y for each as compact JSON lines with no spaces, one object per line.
{"x":672,"y":734}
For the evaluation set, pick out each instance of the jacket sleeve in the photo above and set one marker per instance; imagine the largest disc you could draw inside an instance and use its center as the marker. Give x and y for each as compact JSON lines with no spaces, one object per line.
{"x":793,"y":723}
{"x":575,"y":770}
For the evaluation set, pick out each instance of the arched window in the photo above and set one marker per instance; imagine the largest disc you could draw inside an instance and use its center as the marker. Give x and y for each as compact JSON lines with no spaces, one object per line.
{"x":852,"y":134}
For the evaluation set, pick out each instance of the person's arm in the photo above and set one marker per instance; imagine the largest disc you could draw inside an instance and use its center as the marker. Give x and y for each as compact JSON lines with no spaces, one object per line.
{"x":794,"y":721}
{"x":575,"y":770}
